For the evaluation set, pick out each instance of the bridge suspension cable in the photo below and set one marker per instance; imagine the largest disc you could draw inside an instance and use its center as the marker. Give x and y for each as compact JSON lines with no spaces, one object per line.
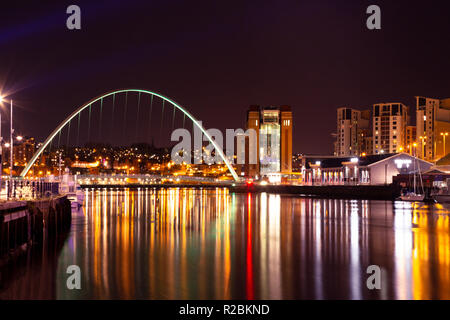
{"x":89,"y":104}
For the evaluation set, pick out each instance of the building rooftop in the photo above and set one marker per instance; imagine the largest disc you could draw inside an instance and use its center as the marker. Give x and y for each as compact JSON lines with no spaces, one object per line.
{"x":444,"y":161}
{"x":336,"y":162}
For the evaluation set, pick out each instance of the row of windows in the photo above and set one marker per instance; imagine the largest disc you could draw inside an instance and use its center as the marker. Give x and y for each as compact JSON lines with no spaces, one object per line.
{"x":393,"y":128}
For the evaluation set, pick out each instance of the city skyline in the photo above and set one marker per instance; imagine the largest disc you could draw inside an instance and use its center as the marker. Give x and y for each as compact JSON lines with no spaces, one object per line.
{"x":227,"y":65}
{"x":232,"y":157}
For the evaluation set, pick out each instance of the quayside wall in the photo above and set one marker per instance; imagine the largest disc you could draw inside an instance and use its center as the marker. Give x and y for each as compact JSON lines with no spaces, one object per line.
{"x":23,"y":223}
{"x":369,"y":192}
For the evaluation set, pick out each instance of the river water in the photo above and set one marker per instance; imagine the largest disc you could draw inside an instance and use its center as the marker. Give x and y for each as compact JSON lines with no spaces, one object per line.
{"x":212,"y":244}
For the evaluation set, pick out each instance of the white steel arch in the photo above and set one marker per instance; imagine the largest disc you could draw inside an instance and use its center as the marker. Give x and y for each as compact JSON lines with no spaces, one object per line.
{"x":76,"y":112}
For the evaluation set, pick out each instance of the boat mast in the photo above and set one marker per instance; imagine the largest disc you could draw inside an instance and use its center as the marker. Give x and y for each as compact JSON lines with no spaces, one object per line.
{"x":414,"y":169}
{"x":420,"y":177}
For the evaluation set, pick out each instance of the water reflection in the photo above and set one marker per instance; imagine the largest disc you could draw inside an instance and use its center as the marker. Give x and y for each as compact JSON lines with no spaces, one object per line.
{"x":210,"y":244}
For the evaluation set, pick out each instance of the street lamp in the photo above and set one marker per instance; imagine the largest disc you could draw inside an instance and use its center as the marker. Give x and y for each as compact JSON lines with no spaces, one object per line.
{"x":2,"y":99}
{"x":444,"y":134}
{"x":1,"y":155}
{"x":423,"y":146}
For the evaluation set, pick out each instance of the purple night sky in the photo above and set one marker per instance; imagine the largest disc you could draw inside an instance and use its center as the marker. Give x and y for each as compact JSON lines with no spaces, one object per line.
{"x":218,"y":57}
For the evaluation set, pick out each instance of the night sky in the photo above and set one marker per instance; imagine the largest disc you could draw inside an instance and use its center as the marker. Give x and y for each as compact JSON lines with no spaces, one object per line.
{"x":218,"y":57}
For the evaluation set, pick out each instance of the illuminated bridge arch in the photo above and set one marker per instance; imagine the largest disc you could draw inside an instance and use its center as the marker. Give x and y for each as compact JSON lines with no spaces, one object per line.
{"x":86,"y":105}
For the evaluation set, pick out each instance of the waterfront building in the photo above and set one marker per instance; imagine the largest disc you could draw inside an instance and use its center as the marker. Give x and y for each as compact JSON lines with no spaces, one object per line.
{"x":411,"y":139}
{"x":352,"y":131}
{"x":273,"y":127}
{"x":433,"y":127}
{"x":369,"y":170}
{"x":366,"y":142}
{"x":389,"y":127}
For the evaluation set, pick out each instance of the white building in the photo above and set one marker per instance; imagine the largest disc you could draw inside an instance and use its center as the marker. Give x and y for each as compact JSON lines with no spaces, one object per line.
{"x":389,"y":127}
{"x":369,"y":170}
{"x":433,"y":127}
{"x":350,"y":125}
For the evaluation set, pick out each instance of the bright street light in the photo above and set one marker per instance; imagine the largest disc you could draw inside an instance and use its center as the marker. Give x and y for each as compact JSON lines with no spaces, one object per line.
{"x":444,"y":134}
{"x":423,"y":145}
{"x":11,"y":131}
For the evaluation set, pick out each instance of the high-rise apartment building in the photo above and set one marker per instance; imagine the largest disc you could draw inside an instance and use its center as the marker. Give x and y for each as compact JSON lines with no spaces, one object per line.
{"x":366,"y":142}
{"x":432,"y":122}
{"x":273,"y":127}
{"x":410,"y":140}
{"x":389,"y":127}
{"x":24,"y":148}
{"x":352,"y":131}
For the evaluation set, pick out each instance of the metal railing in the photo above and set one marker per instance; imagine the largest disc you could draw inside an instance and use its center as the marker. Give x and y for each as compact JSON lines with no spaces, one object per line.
{"x":19,"y":188}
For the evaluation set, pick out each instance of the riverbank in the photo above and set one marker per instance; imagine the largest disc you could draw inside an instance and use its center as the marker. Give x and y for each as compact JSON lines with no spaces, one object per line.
{"x":369,"y":192}
{"x":363,"y":192}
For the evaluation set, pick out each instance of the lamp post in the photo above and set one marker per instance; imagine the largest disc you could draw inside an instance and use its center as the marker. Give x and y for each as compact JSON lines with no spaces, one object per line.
{"x":444,"y":134}
{"x":1,"y":155}
{"x":11,"y":131}
{"x":11,"y":143}
{"x":423,"y":146}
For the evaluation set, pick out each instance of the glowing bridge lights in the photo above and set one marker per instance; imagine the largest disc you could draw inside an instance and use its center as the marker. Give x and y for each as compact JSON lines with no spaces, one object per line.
{"x":90,"y":103}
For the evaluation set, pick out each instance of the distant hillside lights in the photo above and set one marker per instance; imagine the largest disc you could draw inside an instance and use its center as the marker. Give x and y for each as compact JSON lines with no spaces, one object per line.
{"x":187,"y":152}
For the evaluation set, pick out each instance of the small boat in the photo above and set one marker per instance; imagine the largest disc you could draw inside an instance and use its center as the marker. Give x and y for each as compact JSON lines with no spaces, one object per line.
{"x":411,"y":196}
{"x":70,"y":187}
{"x":76,"y":197}
{"x":414,"y":196}
{"x":443,"y":194}
{"x":441,"y":198}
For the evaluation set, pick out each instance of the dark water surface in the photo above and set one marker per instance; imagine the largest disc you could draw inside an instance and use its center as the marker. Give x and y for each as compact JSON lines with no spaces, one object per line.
{"x":210,"y":244}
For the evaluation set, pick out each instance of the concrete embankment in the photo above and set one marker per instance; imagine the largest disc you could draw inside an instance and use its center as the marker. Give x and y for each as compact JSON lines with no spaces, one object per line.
{"x":25,"y":222}
{"x":384,"y":192}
